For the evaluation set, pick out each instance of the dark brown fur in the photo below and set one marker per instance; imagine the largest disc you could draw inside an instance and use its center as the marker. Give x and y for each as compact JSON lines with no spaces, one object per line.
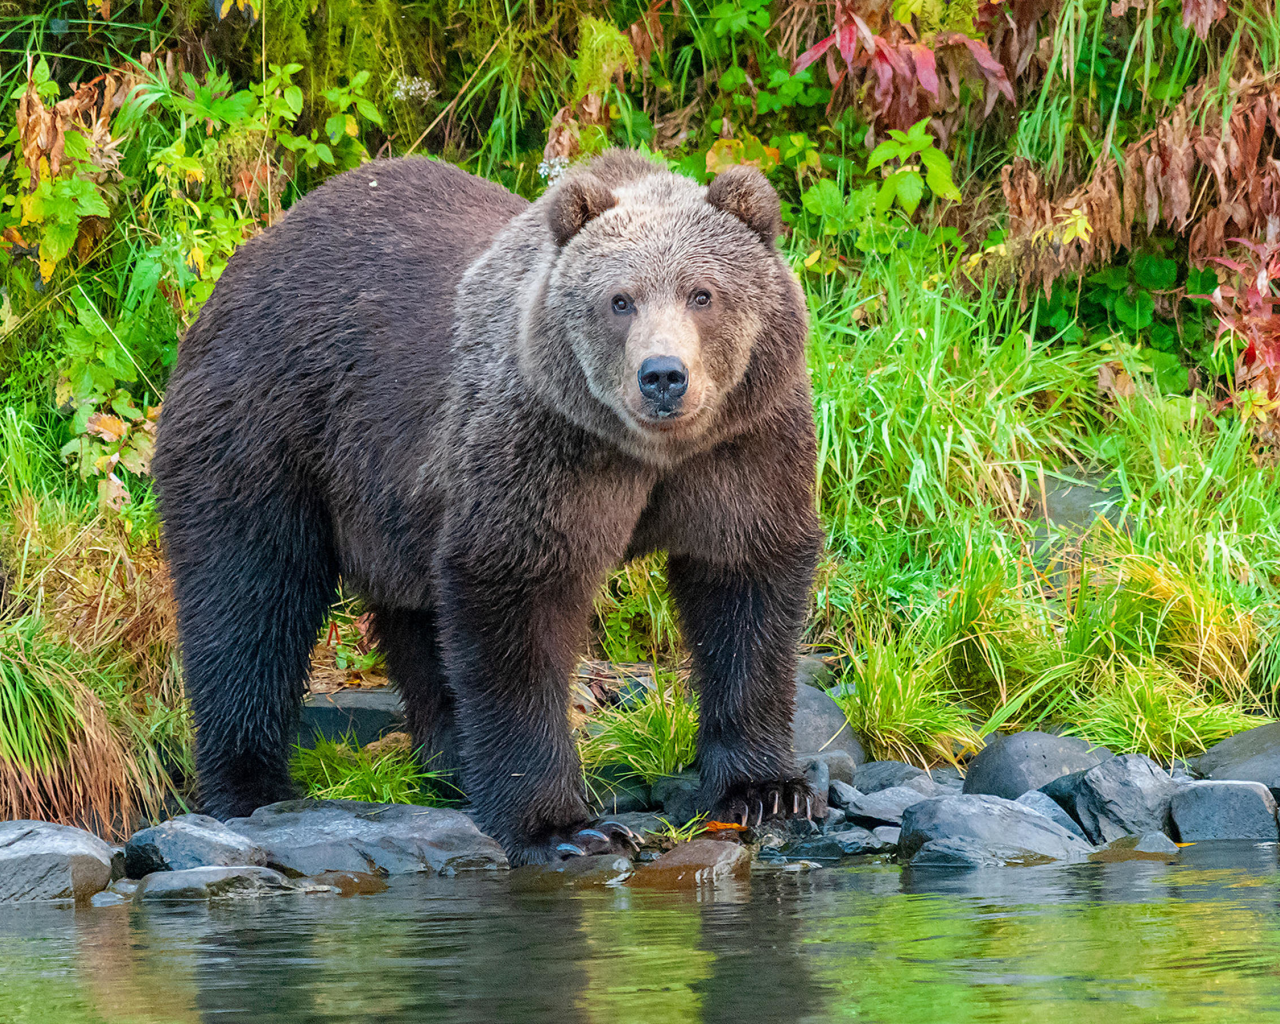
{"x":414,"y":382}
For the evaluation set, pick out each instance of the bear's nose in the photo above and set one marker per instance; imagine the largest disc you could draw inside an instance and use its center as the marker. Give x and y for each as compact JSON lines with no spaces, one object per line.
{"x":663,"y":379}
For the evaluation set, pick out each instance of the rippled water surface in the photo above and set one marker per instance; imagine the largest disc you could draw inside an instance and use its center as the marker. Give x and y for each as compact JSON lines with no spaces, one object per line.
{"x":1131,"y":942}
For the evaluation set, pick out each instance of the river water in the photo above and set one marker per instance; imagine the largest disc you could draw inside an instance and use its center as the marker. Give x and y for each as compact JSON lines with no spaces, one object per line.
{"x":1129,"y":942}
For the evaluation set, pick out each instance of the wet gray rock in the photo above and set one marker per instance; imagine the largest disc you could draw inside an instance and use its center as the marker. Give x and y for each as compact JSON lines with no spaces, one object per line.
{"x":834,"y":820}
{"x":696,"y":863}
{"x":1012,"y":765}
{"x":613,"y":791}
{"x":926,"y":785}
{"x":581,"y":872}
{"x":1007,"y":831}
{"x":947,"y":776}
{"x":307,"y":837}
{"x":677,"y":795}
{"x":820,"y":725}
{"x":818,"y":774}
{"x":841,"y":794}
{"x":1224,"y":810}
{"x":1151,"y":846}
{"x":1250,"y":756}
{"x":213,"y":883}
{"x":966,"y":852}
{"x":42,"y":861}
{"x":846,"y":842}
{"x":840,"y":764}
{"x":1047,"y":806}
{"x":188,"y":841}
{"x":883,"y":807}
{"x":878,"y":775}
{"x":1127,"y":795}
{"x":890,"y":835}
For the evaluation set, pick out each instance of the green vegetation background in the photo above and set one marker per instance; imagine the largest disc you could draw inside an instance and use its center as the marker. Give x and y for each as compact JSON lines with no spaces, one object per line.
{"x":1038,"y":238}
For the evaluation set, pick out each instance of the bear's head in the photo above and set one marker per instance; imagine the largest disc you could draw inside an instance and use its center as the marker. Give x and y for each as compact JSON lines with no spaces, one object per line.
{"x":668,"y":318}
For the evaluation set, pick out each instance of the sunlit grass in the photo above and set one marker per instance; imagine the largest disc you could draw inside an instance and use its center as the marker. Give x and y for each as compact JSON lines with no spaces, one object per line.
{"x":343,"y":770}
{"x":648,"y":738}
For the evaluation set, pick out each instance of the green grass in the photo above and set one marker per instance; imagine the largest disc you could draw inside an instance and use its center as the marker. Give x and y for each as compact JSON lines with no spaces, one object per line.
{"x":647,"y":738}
{"x":343,"y":770}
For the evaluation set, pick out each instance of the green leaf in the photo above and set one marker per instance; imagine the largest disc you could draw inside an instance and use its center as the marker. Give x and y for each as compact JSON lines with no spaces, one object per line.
{"x":1170,"y":375}
{"x":1156,"y":273}
{"x":335,"y":127}
{"x":1135,"y":313}
{"x":360,"y":81}
{"x":1165,"y":337}
{"x":1201,"y":282}
{"x":884,"y":151}
{"x":1115,"y":278}
{"x":324,"y":153}
{"x":368,"y":110}
{"x":888,"y":192}
{"x":910,"y":190}
{"x":293,"y":97}
{"x":938,"y":174}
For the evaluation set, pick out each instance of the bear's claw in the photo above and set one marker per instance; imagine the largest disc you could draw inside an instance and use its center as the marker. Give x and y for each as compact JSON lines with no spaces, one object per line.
{"x":753,"y":803}
{"x":602,"y":837}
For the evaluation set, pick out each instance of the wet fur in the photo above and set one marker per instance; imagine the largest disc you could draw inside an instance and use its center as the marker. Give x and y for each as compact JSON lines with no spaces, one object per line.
{"x":388,"y":387}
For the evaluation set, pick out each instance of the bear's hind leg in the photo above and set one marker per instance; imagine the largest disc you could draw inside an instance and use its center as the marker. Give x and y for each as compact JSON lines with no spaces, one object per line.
{"x":409,"y":640}
{"x":253,"y":586}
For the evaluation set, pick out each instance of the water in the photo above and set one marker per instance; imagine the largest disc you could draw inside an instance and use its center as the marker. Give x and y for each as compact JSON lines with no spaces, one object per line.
{"x":1130,"y":942}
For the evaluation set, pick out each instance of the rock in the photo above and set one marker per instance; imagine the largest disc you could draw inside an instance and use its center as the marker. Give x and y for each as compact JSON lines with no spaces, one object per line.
{"x":841,"y":794}
{"x":1224,"y":810}
{"x":834,"y":820}
{"x":1009,"y":832}
{"x":120,"y":891}
{"x":948,"y":776}
{"x":1152,"y":846}
{"x":926,"y":786}
{"x":677,"y":795}
{"x":599,"y":869}
{"x":820,"y":725}
{"x":349,"y":883}
{"x":614,"y":791}
{"x":888,"y":834}
{"x":365,"y":715}
{"x":42,"y":861}
{"x":817,"y":774}
{"x":840,"y":764}
{"x":883,"y":807}
{"x":188,"y":841}
{"x":307,"y":837}
{"x":1250,"y":756}
{"x":878,"y":775}
{"x":700,"y":862}
{"x":849,"y":842}
{"x":1046,"y":805}
{"x":213,"y":883}
{"x":963,"y":852}
{"x":1011,"y":765}
{"x":1126,"y":795}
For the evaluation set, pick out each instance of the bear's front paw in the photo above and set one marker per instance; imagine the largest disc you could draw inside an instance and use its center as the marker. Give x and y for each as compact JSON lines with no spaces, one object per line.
{"x":750,"y":803}
{"x":596,"y":837}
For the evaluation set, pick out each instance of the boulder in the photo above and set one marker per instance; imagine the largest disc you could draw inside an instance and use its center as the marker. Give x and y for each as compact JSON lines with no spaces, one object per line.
{"x":599,"y":869}
{"x":948,"y":777}
{"x":841,"y":794}
{"x":890,"y":835}
{"x":819,"y":725}
{"x":42,"y":861}
{"x":1250,"y":756}
{"x":1009,"y":832}
{"x":307,"y":837}
{"x":839,"y":763}
{"x":965,"y":852}
{"x":614,"y":791}
{"x":677,"y":795}
{"x":1045,"y":804}
{"x":700,"y":862}
{"x":1224,"y":810}
{"x":212,"y":883}
{"x":883,"y":807}
{"x":1152,"y":846}
{"x":1127,"y":795}
{"x":846,"y":842}
{"x":817,"y":774}
{"x":878,"y":775}
{"x":188,"y":841}
{"x":1009,"y":766}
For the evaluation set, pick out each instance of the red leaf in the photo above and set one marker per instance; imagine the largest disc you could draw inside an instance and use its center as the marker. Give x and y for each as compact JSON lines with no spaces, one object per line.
{"x":926,"y":68}
{"x":992,"y":69}
{"x":812,"y":54}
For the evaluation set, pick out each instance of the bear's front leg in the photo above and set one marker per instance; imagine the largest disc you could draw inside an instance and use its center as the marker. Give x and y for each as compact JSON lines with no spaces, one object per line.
{"x":742,"y":623}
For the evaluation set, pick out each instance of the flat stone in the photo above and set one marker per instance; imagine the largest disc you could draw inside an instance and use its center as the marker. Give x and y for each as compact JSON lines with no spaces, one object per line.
{"x":841,"y":794}
{"x":1152,"y":846}
{"x":890,"y":835}
{"x":819,"y":724}
{"x":349,"y":883}
{"x":597,"y":869}
{"x":849,"y":842}
{"x":696,"y":863}
{"x":1126,"y":795}
{"x":1047,"y":806}
{"x":840,"y":764}
{"x":188,"y":841}
{"x":1249,"y":756}
{"x":365,"y":714}
{"x":834,"y":820}
{"x":211,"y":883}
{"x":927,"y":786}
{"x":966,"y":852}
{"x":43,"y":861}
{"x":1010,"y":832}
{"x":878,"y":775}
{"x":1009,"y":766}
{"x":677,"y":795}
{"x":307,"y":837}
{"x":1224,"y":810}
{"x":948,"y":776}
{"x":883,"y":807}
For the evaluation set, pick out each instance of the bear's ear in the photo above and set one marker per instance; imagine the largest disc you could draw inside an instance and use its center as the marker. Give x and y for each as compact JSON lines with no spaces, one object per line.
{"x":577,"y":201}
{"x":744,"y":192}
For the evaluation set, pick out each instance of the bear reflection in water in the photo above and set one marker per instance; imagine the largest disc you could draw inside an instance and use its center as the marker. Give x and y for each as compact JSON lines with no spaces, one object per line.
{"x":469,"y":408}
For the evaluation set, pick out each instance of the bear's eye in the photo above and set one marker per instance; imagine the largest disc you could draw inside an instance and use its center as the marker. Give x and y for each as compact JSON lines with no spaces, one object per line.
{"x":621,"y":304}
{"x":701,"y":297}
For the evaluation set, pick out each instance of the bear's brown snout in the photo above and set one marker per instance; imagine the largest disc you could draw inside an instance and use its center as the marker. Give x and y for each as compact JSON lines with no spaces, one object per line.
{"x":663,"y":382}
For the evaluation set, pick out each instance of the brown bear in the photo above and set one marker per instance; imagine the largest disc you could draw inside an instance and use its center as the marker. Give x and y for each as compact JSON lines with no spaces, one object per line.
{"x":469,"y":408}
